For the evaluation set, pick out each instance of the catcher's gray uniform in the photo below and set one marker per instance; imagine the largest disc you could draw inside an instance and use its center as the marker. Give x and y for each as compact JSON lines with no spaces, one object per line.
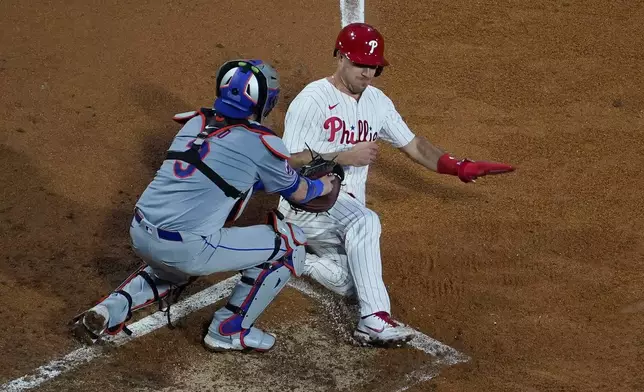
{"x":178,"y":223}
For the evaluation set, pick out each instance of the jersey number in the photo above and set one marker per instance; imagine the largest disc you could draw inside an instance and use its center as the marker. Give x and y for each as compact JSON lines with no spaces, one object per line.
{"x":189,"y":170}
{"x":184,"y":172}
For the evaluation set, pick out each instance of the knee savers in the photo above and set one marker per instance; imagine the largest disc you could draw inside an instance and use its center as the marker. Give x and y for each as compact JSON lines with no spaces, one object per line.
{"x":294,"y":240}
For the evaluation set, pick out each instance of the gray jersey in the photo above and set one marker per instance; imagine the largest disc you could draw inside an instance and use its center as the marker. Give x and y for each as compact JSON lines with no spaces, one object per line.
{"x":181,"y":198}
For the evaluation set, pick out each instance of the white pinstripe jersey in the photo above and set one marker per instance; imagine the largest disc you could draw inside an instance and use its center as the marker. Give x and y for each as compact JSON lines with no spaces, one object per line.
{"x":329,"y":120}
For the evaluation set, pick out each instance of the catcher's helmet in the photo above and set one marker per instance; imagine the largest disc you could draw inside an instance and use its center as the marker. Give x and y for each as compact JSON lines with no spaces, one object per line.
{"x":361,"y":44}
{"x":246,"y":87}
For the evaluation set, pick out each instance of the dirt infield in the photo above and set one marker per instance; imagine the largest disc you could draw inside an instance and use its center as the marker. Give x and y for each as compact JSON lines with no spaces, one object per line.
{"x":536,"y":275}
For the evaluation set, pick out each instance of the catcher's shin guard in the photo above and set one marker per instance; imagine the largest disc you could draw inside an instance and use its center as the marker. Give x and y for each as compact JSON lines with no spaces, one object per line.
{"x":232,"y":326}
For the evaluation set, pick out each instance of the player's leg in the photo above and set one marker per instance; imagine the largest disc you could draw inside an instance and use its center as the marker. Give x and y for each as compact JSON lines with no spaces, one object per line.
{"x":144,"y":287}
{"x":346,"y":243}
{"x":361,"y":233}
{"x":232,"y":325}
{"x":327,"y":264}
{"x":326,"y":259}
{"x":362,"y":243}
{"x":148,"y":285}
{"x":276,"y":250}
{"x":266,"y":255}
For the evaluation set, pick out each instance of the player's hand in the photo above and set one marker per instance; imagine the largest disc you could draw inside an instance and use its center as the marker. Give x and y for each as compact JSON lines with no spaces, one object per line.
{"x":362,"y":154}
{"x":327,"y":181}
{"x":468,"y":170}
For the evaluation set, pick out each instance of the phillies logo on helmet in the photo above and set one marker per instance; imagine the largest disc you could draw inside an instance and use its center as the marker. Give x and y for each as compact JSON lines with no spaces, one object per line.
{"x":374,"y":44}
{"x":361,"y":44}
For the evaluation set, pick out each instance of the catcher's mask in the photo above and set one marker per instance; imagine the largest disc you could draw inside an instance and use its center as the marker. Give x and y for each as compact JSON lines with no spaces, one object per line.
{"x":246,"y":88}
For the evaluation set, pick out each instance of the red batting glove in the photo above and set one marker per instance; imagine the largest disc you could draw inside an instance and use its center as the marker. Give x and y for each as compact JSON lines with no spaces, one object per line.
{"x":468,"y":170}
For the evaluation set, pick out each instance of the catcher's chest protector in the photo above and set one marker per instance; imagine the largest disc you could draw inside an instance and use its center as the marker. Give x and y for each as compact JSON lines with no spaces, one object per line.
{"x":213,"y":125}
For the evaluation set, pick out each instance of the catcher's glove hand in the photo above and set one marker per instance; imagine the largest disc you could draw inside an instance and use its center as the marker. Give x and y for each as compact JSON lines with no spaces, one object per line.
{"x":317,"y":168}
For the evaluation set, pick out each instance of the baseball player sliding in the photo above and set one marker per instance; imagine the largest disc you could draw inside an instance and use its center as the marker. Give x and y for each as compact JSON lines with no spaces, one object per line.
{"x":217,"y":159}
{"x":343,"y":116}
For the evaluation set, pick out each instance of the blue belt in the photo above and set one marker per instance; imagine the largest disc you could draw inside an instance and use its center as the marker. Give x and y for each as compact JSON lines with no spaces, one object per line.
{"x":163,"y":234}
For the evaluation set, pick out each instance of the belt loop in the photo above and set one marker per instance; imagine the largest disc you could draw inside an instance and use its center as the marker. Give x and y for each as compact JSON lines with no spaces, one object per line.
{"x":138,"y":215}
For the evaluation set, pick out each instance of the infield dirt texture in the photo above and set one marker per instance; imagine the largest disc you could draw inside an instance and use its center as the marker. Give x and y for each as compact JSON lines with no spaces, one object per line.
{"x":537,"y":275}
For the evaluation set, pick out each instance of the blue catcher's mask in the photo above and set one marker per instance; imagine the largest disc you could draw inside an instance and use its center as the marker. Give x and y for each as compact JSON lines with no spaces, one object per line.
{"x":246,"y":88}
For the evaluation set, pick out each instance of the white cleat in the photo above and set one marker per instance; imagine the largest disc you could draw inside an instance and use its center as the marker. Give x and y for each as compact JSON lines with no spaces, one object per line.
{"x":91,"y":325}
{"x":379,"y":329}
{"x":253,"y":339}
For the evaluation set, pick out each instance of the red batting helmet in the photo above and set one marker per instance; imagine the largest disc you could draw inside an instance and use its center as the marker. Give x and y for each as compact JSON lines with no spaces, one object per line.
{"x":361,"y":44}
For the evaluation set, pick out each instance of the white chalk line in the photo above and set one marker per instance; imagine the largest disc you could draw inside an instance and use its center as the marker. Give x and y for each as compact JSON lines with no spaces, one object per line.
{"x":140,"y":328}
{"x":351,"y":11}
{"x":53,"y":369}
{"x":445,"y":354}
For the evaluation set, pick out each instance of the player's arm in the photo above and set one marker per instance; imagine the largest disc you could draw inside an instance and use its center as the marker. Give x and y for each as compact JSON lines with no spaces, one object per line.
{"x":307,"y":189}
{"x":361,"y":154}
{"x":422,"y":151}
{"x":433,"y":157}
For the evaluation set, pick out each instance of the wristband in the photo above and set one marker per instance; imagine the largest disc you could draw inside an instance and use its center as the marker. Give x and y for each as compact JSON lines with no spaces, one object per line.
{"x":315,"y":188}
{"x":447,"y":165}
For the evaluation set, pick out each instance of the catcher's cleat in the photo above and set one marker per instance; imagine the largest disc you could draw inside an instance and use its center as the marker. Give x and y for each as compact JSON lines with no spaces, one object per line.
{"x":378,"y":329}
{"x":253,"y":339}
{"x":90,"y":326}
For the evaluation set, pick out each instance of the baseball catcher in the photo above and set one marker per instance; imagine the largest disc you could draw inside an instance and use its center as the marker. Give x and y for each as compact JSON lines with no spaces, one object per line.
{"x":183,"y":223}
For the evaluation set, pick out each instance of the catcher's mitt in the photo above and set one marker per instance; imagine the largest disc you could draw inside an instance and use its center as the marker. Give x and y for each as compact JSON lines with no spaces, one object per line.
{"x":316,"y":168}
